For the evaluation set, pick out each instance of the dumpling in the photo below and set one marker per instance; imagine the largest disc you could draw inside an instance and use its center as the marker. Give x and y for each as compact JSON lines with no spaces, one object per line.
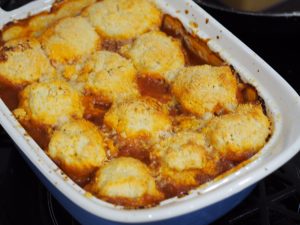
{"x":110,"y":76}
{"x":22,"y":61}
{"x":123,"y":19}
{"x":206,"y":89}
{"x":39,"y":23}
{"x":78,"y":148}
{"x":155,"y":54}
{"x":69,"y":39}
{"x":184,"y":160}
{"x":125,"y":181}
{"x":49,"y":103}
{"x":239,"y":135}
{"x":68,"y":43}
{"x":138,"y":117}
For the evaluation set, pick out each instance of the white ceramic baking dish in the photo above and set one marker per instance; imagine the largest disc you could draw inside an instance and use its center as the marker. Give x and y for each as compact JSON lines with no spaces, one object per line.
{"x":217,"y":197}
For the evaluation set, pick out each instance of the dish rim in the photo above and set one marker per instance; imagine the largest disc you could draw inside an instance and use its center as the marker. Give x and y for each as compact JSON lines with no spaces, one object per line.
{"x":210,"y":193}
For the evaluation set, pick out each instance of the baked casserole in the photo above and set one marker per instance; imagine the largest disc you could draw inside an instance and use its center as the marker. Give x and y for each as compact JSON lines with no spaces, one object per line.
{"x":131,"y":106}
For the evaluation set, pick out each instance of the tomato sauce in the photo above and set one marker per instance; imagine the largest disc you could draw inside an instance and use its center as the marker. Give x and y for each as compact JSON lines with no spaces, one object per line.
{"x":10,"y":95}
{"x":155,"y":88}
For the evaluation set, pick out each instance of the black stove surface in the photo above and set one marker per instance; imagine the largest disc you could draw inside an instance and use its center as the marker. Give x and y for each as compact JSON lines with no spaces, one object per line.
{"x":275,"y":200}
{"x":278,"y":8}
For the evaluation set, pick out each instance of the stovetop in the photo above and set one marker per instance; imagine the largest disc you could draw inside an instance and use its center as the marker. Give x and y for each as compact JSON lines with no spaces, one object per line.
{"x":275,"y":200}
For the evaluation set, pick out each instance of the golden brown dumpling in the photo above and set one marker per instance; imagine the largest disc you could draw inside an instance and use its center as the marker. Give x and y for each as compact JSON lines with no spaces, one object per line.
{"x":110,"y":76}
{"x":39,"y":23}
{"x":22,"y":61}
{"x":155,"y":54}
{"x":182,"y":158}
{"x":70,"y":39}
{"x":206,"y":89}
{"x":240,"y":134}
{"x":123,"y":19}
{"x":49,"y":103}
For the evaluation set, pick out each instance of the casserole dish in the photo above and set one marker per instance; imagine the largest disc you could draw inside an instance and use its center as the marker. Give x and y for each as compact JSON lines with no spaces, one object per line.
{"x":283,"y":145}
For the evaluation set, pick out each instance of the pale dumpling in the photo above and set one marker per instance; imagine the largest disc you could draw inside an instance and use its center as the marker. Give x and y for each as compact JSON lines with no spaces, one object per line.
{"x":125,"y":181}
{"x":78,"y":148}
{"x":49,"y":103}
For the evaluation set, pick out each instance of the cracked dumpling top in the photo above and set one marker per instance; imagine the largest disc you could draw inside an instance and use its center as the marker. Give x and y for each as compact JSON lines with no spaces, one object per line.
{"x":123,"y":19}
{"x":138,"y":117}
{"x":110,"y":76}
{"x":49,"y":103}
{"x":70,"y":39}
{"x":240,"y":134}
{"x":155,"y":54}
{"x":206,"y":89}
{"x":78,"y":148}
{"x":22,"y":61}
{"x":126,"y":181}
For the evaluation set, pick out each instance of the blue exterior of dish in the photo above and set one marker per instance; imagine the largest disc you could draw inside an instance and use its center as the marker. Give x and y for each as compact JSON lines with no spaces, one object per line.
{"x":201,"y":217}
